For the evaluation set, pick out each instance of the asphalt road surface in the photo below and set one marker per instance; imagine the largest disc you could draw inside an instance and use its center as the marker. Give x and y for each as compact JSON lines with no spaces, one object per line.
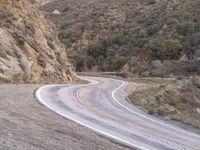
{"x":101,"y":106}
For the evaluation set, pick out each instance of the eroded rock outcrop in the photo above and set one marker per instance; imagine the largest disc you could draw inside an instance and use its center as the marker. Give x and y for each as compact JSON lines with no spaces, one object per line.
{"x":29,"y":49}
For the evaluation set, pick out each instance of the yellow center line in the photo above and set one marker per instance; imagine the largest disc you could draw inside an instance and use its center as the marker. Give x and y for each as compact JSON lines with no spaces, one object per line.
{"x":129,"y":124}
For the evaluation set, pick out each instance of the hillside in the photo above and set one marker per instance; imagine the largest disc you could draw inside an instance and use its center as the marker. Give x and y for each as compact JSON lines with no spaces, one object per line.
{"x":146,"y":37}
{"x":29,"y":48}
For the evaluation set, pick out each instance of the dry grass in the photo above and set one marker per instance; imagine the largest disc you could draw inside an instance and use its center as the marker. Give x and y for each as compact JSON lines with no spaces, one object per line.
{"x":177,"y":99}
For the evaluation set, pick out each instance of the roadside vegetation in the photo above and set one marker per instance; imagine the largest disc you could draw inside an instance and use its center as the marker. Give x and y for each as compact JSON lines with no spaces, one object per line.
{"x":178,"y":99}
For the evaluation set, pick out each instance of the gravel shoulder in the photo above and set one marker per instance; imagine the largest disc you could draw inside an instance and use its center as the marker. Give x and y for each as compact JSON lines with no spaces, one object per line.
{"x":26,"y":124}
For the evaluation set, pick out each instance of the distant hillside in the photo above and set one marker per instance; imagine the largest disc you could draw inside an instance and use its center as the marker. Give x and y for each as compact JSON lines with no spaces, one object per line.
{"x":29,"y":49}
{"x":147,"y":37}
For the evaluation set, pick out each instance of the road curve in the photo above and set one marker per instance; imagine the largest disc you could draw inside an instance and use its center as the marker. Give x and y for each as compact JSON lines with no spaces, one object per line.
{"x":101,"y":106}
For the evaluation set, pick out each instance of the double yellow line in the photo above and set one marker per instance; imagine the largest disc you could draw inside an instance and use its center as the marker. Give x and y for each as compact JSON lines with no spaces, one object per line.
{"x":90,"y":106}
{"x":129,"y":124}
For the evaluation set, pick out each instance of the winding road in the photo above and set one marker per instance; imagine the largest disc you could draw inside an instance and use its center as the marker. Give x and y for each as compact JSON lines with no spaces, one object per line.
{"x":101,"y":106}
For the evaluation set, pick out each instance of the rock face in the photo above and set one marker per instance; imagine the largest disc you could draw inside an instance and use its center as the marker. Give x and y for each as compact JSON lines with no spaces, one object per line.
{"x":29,"y":49}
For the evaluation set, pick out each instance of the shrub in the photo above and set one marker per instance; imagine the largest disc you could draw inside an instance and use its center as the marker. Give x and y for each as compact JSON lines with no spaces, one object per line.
{"x":164,"y":49}
{"x":154,"y":29}
{"x":120,"y":62}
{"x":171,"y":97}
{"x":79,"y":63}
{"x":90,"y":61}
{"x":197,"y":27}
{"x":172,"y":48}
{"x":151,"y":2}
{"x":185,"y":28}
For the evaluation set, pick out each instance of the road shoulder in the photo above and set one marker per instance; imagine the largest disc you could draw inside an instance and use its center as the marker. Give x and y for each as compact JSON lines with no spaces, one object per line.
{"x":26,"y":124}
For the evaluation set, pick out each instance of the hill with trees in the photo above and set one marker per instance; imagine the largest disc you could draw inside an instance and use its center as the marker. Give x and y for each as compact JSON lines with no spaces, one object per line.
{"x":145,"y":37}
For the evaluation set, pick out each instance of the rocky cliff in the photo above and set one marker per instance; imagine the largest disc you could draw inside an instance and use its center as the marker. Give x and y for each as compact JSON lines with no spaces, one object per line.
{"x":29,"y":49}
